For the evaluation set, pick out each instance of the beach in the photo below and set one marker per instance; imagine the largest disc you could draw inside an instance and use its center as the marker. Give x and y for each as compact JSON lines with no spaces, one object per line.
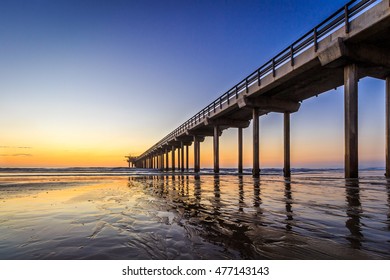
{"x":133,"y":214}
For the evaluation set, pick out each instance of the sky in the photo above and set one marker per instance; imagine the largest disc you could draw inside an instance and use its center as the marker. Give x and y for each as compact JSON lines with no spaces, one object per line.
{"x":85,"y":83}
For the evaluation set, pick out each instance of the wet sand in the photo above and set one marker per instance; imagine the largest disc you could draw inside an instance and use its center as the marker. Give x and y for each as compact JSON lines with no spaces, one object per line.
{"x":182,"y":217}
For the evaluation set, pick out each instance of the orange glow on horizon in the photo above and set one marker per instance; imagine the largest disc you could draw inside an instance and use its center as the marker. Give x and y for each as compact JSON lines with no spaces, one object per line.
{"x":65,"y":158}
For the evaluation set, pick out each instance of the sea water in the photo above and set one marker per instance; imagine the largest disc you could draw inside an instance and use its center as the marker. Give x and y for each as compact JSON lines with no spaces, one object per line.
{"x":121,"y":213}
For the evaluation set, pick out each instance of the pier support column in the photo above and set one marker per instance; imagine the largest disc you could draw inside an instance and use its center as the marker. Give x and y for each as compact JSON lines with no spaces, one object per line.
{"x":178,"y":158}
{"x":287,"y":168}
{"x":256,"y":152}
{"x":196,"y":154}
{"x":240,"y":169}
{"x":173,"y":158}
{"x":182,"y":157}
{"x":166,"y":160}
{"x":216,"y":149}
{"x":162,"y":160}
{"x":388,"y":127}
{"x":187,"y":165}
{"x":351,"y":120}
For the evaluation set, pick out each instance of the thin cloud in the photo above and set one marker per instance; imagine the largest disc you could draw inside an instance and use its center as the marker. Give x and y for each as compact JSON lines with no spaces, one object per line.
{"x":15,"y":147}
{"x":16,"y":155}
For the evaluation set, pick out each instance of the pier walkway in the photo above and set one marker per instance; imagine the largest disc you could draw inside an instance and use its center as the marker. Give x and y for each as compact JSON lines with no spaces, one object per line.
{"x":351,"y":44}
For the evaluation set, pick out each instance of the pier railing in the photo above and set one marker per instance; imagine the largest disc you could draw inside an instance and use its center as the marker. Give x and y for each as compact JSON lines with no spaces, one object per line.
{"x":341,"y":18}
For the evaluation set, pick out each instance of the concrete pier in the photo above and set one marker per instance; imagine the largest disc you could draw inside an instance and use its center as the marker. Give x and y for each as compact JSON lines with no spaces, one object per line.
{"x":351,"y":44}
{"x":351,"y":120}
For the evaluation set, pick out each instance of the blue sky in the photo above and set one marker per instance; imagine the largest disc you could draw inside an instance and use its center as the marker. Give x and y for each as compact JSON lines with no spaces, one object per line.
{"x":96,"y":80}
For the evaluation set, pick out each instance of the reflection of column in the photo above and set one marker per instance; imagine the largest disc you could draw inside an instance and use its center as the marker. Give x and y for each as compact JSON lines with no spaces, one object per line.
{"x":256,"y":193}
{"x":187,"y":186}
{"x":217,"y":196}
{"x":181,"y":185}
{"x":288,"y":200}
{"x":354,"y":212}
{"x":240,"y":194}
{"x":388,"y":204}
{"x":161,"y":187}
{"x":197,"y":190}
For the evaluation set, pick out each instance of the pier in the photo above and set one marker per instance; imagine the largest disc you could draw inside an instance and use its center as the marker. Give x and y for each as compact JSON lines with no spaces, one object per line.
{"x":351,"y":44}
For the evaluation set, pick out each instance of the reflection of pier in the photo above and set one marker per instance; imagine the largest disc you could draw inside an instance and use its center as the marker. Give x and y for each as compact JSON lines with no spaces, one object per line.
{"x":351,"y":44}
{"x":242,"y":213}
{"x":388,"y":203}
{"x":288,"y":199}
{"x":354,"y":211}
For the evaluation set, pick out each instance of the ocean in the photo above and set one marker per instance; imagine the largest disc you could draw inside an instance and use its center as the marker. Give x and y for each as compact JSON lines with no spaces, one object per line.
{"x":122,"y":213}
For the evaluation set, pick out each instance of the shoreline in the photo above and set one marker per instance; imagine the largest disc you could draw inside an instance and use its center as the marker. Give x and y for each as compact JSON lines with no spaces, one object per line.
{"x":181,"y":217}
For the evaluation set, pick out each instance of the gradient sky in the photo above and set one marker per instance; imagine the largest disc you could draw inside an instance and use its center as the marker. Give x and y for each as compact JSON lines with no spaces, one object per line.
{"x":84,"y":83}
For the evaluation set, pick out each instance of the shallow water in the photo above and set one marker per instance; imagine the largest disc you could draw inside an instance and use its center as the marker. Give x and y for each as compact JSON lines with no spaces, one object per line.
{"x":132,"y":215}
